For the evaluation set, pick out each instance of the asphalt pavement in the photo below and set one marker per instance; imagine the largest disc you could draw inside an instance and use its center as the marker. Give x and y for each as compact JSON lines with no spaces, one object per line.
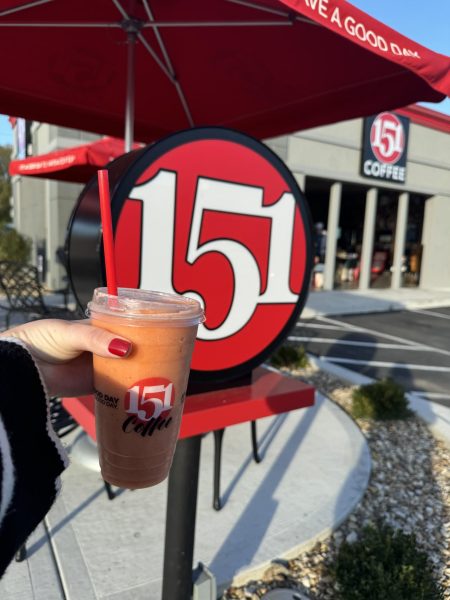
{"x":410,"y":346}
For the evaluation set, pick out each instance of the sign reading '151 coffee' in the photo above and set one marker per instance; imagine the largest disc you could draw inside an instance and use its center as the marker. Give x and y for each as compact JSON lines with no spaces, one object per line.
{"x":385,"y":145}
{"x":211,"y":214}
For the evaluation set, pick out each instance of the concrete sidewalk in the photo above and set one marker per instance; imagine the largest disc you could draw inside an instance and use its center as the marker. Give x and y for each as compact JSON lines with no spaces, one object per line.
{"x":367,"y":301}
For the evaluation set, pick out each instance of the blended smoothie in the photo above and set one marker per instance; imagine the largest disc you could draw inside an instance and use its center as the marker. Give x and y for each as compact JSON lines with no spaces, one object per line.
{"x":139,"y":399}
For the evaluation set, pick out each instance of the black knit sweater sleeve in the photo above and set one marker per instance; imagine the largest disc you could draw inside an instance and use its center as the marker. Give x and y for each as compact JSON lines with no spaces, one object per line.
{"x":31,"y":456}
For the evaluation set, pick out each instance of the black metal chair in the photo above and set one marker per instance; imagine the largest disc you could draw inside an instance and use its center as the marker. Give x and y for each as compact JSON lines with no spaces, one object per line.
{"x":22,"y":288}
{"x":62,"y":258}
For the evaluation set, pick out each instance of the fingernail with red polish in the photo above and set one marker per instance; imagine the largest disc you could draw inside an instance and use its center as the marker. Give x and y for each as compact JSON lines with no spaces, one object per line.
{"x":119,"y":347}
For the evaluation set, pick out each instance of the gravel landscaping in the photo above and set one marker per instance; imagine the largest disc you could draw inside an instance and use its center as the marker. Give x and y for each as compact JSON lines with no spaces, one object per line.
{"x":409,"y":489}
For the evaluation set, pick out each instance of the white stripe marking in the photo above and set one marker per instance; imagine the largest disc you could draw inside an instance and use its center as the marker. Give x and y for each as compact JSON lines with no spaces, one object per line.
{"x":435,"y":395}
{"x":380,"y":363}
{"x":354,"y":343}
{"x":431,"y":313}
{"x":319,"y":326}
{"x":351,"y":327}
{"x":394,"y":338}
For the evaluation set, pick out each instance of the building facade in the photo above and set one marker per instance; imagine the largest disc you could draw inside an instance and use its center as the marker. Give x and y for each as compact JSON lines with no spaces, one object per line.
{"x":41,"y":208}
{"x":377,"y":224}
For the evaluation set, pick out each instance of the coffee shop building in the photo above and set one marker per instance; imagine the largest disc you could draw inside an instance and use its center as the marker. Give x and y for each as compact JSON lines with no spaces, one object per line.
{"x":378,"y":190}
{"x":379,"y":195}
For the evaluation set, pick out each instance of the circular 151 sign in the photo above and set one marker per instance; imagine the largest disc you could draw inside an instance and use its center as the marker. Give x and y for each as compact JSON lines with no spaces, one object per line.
{"x":387,"y":138}
{"x":215,"y":215}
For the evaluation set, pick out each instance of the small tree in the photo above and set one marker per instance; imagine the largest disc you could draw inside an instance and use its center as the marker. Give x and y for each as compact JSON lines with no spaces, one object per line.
{"x":381,"y":400}
{"x":385,"y":564}
{"x":13,"y":245}
{"x":291,"y":357}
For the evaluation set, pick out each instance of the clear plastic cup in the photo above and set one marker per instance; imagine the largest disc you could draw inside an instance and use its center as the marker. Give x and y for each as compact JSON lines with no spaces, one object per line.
{"x":139,"y":399}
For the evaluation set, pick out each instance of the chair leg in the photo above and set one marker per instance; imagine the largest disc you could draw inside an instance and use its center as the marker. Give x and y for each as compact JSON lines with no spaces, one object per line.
{"x":256,"y":457}
{"x":21,"y":553}
{"x":109,"y":491}
{"x":218,"y":438}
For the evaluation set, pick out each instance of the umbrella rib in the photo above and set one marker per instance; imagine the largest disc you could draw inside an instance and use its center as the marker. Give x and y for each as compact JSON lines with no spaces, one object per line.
{"x":291,"y":15}
{"x":10,"y":11}
{"x":267,"y":9}
{"x":156,"y":58}
{"x":155,"y":25}
{"x":163,"y":48}
{"x":185,"y":24}
{"x":61,"y":25}
{"x":144,"y":42}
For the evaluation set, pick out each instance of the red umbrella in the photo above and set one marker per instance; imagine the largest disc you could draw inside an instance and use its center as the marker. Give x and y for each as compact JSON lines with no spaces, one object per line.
{"x":77,"y":164}
{"x":265,"y":67}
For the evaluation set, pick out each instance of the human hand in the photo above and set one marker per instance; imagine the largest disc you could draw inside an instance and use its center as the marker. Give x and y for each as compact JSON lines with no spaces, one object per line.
{"x":63,"y":352}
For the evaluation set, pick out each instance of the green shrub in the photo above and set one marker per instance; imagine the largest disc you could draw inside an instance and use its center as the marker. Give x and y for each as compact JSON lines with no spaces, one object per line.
{"x":385,"y":565}
{"x":381,"y":400}
{"x":290,"y":357}
{"x":13,"y":245}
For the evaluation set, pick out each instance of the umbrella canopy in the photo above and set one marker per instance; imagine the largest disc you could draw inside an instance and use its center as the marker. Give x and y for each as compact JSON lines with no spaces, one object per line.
{"x":265,"y":67}
{"x":77,"y":164}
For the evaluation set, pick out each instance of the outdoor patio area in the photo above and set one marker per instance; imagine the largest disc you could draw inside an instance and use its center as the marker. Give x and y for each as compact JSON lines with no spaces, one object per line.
{"x":314,"y":470}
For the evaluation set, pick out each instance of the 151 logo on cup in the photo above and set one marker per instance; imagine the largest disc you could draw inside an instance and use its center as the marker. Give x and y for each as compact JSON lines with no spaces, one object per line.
{"x":215,"y":215}
{"x":150,"y":398}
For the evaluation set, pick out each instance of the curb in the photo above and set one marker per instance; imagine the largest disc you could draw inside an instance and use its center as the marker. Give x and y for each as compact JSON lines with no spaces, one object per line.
{"x":436,"y":416}
{"x":373,"y":305}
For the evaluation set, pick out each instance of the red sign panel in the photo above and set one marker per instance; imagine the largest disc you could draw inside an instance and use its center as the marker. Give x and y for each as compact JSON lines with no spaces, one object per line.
{"x":215,"y":215}
{"x":385,"y":143}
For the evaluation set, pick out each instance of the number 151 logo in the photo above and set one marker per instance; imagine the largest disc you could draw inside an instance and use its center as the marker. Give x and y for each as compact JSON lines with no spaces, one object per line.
{"x":215,"y":215}
{"x":150,"y":398}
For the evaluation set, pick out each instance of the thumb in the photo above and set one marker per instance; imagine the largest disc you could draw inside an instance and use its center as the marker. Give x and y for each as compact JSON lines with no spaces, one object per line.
{"x":85,"y":337}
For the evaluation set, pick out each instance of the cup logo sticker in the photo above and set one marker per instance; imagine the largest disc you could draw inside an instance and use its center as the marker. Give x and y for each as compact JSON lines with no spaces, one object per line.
{"x":150,"y":399}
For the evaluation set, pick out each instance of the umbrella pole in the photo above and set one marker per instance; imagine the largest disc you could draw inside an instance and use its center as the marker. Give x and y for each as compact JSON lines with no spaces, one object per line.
{"x":129,"y":105}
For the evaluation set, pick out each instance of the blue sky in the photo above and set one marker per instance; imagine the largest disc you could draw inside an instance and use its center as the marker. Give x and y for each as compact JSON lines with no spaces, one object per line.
{"x":424,"y":22}
{"x":5,"y":131}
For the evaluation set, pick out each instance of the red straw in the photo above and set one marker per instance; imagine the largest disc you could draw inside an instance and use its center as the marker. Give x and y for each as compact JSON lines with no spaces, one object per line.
{"x":108,"y":243}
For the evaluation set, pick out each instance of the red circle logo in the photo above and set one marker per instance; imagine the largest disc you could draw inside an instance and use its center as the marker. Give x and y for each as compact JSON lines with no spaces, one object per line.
{"x":387,"y":138}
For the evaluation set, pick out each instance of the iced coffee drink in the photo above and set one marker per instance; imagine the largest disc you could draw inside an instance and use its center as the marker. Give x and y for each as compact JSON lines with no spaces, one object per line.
{"x":139,"y":399}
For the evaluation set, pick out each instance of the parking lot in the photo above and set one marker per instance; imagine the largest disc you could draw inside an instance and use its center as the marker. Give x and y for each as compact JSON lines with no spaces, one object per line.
{"x":412,"y":347}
